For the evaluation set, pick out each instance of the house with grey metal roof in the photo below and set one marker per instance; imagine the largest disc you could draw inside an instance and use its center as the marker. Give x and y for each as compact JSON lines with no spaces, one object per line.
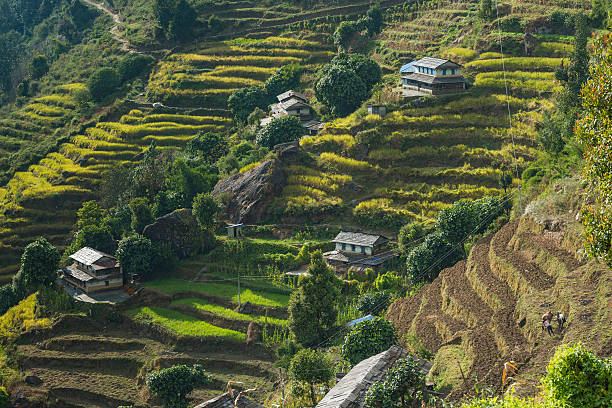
{"x":93,"y":271}
{"x":228,"y":400}
{"x":350,"y":391}
{"x":433,"y":75}
{"x":358,"y":250}
{"x":292,"y":103}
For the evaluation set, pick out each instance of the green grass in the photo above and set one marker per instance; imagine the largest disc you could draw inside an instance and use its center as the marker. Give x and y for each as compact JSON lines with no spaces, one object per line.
{"x":182,"y":324}
{"x":200,"y":304}
{"x":226,"y":291}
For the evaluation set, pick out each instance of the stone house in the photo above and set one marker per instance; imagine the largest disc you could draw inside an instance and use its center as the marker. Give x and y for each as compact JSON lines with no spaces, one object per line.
{"x":433,"y":75}
{"x":292,"y":103}
{"x":93,"y":271}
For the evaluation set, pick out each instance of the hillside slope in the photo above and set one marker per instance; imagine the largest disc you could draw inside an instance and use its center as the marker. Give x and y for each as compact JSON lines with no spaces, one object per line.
{"x":487,"y":310}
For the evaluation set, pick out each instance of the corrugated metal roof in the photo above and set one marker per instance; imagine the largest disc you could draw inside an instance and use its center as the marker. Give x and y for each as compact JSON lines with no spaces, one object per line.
{"x":408,"y":68}
{"x":87,"y":255}
{"x":430,"y":62}
{"x":77,"y":274}
{"x":359,"y":238}
{"x":225,"y":401}
{"x":361,"y":319}
{"x":289,"y":94}
{"x":429,"y":79}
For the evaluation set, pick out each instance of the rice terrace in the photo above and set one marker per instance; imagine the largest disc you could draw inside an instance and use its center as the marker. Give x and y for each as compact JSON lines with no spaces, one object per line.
{"x":305,"y":203}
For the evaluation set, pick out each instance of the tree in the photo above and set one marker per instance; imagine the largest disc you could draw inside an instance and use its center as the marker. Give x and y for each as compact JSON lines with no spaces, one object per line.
{"x":285,"y":78}
{"x":189,"y":181}
{"x":135,"y":254}
{"x":388,"y":281}
{"x":505,"y":181}
{"x":243,"y":101}
{"x":256,"y":116}
{"x":341,"y":89}
{"x":165,"y":202}
{"x":103,"y":82}
{"x":344,"y":34}
{"x":172,"y":385}
{"x":403,"y":384}
{"x":312,"y":307}
{"x":594,"y":132}
{"x":5,"y":401}
{"x":90,"y":213}
{"x":410,"y":235}
{"x":374,"y":20}
{"x":39,"y":265}
{"x":485,"y":11}
{"x":163,"y":11}
{"x":183,"y":21}
{"x":205,"y":209}
{"x":141,"y":214}
{"x":149,"y":176}
{"x":457,"y":222}
{"x":93,"y":236}
{"x":280,"y":130}
{"x":38,"y":66}
{"x":208,"y":145}
{"x":368,"y":338}
{"x":373,"y":303}
{"x":311,"y":367}
{"x":365,"y":68}
{"x":576,"y":378}
{"x":8,"y":299}
{"x":426,"y":260}
{"x":132,"y":65}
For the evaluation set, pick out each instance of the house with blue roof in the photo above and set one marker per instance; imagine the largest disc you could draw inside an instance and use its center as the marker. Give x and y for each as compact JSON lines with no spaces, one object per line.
{"x":433,"y":75}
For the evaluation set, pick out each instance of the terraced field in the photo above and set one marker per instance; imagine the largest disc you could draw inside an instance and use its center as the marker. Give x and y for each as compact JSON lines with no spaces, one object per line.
{"x":489,"y":307}
{"x":43,"y":200}
{"x":89,"y":365}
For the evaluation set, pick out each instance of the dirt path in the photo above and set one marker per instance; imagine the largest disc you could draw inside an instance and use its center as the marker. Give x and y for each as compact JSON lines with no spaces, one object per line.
{"x":125,"y":43}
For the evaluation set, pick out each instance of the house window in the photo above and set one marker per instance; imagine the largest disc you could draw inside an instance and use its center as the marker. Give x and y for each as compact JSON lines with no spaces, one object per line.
{"x":344,"y":247}
{"x":363,"y":250}
{"x":444,"y":71}
{"x":353,"y":248}
{"x":453,"y":71}
{"x":106,"y":283}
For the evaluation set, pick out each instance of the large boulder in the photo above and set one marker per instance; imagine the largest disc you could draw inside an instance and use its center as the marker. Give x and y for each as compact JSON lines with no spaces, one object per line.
{"x":251,"y":193}
{"x":180,"y":229}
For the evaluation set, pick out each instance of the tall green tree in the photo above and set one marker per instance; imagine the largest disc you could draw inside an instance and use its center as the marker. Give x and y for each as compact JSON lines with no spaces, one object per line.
{"x":457,"y":222}
{"x":141,"y":214}
{"x":594,"y":131}
{"x":39,"y":265}
{"x":284,"y":79}
{"x":103,"y":82}
{"x":313,"y":306}
{"x":38,"y":66}
{"x":183,"y":21}
{"x":280,"y":130}
{"x":205,"y":209}
{"x":311,"y":367}
{"x":135,"y":254}
{"x":90,"y":213}
{"x":486,"y":10}
{"x":243,"y":101}
{"x":163,"y":10}
{"x":172,"y":385}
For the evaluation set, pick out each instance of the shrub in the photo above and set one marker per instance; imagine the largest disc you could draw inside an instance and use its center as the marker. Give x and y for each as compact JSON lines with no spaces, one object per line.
{"x":341,"y":89}
{"x":5,"y":401}
{"x":103,"y":82}
{"x":368,"y":338}
{"x":388,"y":281}
{"x":578,"y":379}
{"x":280,"y":130}
{"x":373,"y":303}
{"x":173,"y":384}
{"x":38,"y":66}
{"x":205,"y":210}
{"x":39,"y":264}
{"x":141,"y":214}
{"x":410,"y":235}
{"x":403,"y":383}
{"x":8,"y":298}
{"x":458,"y":221}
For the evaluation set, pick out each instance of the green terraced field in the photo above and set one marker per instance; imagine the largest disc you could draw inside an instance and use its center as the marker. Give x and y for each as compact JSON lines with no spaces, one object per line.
{"x":204,"y":306}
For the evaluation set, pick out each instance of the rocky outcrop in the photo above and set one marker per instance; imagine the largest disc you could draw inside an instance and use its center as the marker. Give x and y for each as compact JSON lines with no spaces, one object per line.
{"x":249,"y":194}
{"x":180,"y":229}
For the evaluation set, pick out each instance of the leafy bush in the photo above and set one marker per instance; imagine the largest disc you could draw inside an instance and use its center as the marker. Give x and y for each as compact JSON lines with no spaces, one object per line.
{"x":141,"y":214}
{"x":410,"y":235}
{"x":388,"y":281}
{"x":205,"y":210}
{"x":373,"y":303}
{"x":280,"y":130}
{"x":38,"y":66}
{"x":103,"y":82}
{"x":368,"y":338}
{"x":241,"y":155}
{"x":39,"y":264}
{"x":173,"y":384}
{"x":404,"y":383}
{"x":5,"y":401}
{"x":8,"y":298}
{"x":578,"y":379}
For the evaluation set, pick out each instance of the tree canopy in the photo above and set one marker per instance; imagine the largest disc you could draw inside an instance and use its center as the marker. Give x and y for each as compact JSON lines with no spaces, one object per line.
{"x":312,"y":307}
{"x":205,"y":209}
{"x":243,"y":101}
{"x":135,"y":254}
{"x":103,"y":82}
{"x":39,"y":265}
